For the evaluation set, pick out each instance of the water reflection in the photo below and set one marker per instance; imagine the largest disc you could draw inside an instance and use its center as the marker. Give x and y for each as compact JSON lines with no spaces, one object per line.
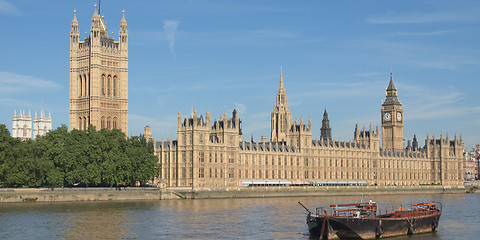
{"x":95,"y":221}
{"x":250,"y":218}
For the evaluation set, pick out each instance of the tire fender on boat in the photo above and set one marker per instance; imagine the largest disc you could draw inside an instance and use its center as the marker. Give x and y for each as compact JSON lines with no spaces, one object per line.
{"x":379,"y":231}
{"x":412,"y":230}
{"x":434,"y":225}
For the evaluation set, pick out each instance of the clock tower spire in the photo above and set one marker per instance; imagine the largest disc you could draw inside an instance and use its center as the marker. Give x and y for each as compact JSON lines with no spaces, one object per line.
{"x":392,"y":119}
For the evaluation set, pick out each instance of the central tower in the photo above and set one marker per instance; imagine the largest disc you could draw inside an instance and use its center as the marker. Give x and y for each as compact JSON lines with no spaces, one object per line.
{"x":281,"y":115}
{"x":392,"y":120}
{"x":99,"y":77}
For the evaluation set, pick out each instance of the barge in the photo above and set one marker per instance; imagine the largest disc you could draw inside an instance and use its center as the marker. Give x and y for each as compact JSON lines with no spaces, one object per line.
{"x":364,"y":221}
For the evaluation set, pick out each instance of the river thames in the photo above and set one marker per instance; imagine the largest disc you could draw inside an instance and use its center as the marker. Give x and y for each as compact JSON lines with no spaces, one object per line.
{"x":248,"y":218}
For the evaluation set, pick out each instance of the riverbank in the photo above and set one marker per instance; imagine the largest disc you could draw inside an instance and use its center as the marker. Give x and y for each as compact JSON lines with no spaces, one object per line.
{"x":305,"y":191}
{"x":82,"y":194}
{"x":132,"y":194}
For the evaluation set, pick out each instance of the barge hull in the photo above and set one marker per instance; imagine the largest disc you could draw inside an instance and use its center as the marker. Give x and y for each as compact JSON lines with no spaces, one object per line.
{"x":370,"y":228}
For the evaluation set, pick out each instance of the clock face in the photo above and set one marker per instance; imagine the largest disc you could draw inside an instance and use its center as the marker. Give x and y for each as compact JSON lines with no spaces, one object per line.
{"x":399,"y":116}
{"x":387,"y":116}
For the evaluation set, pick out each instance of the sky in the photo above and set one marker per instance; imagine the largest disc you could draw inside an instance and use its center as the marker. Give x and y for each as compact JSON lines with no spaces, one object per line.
{"x":225,"y":55}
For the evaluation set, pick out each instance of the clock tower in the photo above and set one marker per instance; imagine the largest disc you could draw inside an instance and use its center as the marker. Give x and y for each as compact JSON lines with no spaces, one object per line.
{"x":392,"y":120}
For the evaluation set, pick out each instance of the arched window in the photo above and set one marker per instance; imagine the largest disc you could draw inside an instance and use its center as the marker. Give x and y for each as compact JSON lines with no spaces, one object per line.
{"x":85,"y":92}
{"x":80,"y":123}
{"x":84,"y":123}
{"x":114,"y":123}
{"x":109,"y":123}
{"x":115,"y":86}
{"x":80,"y":86}
{"x":25,"y":130}
{"x":103,"y":84}
{"x":109,"y":82}
{"x":103,"y":122}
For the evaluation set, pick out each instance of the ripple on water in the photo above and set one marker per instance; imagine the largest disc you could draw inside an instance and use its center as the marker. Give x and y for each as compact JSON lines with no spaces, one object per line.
{"x":249,"y":218}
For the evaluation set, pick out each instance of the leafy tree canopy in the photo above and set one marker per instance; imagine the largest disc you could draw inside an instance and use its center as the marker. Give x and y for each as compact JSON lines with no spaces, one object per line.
{"x":76,"y":158}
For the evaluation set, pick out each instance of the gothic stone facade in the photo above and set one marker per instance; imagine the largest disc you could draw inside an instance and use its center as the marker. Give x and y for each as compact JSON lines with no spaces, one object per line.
{"x":99,"y":76}
{"x":211,"y":153}
{"x":22,"y":125}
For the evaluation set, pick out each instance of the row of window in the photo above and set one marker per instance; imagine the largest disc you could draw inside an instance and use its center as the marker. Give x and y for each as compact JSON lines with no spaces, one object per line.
{"x":218,"y":173}
{"x":110,"y":85}
{"x":83,"y":86}
{"x":83,"y":123}
{"x":108,"y":122}
{"x":201,"y":138}
{"x":215,"y":173}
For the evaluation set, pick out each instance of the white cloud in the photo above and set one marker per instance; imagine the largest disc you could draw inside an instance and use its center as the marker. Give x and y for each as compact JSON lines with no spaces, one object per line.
{"x":419,"y":17}
{"x":13,"y":102}
{"x":432,"y":104}
{"x":170,"y":28}
{"x":422,"y":34}
{"x":261,"y":37}
{"x":241,"y":108}
{"x":160,"y":128}
{"x":449,"y":62}
{"x":8,"y":8}
{"x":12,"y":82}
{"x":258,"y":123}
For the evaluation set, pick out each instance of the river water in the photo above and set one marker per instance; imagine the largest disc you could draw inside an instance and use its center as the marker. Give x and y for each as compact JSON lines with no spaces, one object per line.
{"x":249,"y":218}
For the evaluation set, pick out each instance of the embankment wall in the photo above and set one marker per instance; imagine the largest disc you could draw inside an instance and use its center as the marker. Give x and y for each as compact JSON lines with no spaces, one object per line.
{"x":132,"y":194}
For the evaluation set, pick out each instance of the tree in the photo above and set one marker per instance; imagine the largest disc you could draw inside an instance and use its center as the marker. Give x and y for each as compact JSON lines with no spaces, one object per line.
{"x":86,"y":158}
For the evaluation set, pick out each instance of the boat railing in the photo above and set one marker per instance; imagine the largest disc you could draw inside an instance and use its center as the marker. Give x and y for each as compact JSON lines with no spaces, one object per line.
{"x":353,"y":211}
{"x":415,"y":210}
{"x":370,"y":210}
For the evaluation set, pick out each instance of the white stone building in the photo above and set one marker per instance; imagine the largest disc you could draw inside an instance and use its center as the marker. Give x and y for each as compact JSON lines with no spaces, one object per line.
{"x":42,"y":124}
{"x":22,"y":125}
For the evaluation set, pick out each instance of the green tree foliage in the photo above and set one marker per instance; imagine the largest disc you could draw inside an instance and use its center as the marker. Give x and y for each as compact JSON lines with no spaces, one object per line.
{"x":76,"y":158}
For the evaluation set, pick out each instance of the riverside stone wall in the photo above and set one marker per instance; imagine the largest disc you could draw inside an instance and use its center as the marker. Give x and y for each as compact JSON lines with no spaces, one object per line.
{"x":82,"y":194}
{"x":132,"y":194}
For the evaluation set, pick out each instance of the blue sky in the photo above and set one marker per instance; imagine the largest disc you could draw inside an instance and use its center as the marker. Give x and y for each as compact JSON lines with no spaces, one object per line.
{"x":227,"y":54}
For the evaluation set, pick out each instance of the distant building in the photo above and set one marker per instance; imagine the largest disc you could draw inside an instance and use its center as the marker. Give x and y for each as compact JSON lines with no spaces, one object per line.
{"x":471,"y":163}
{"x":99,"y":76}
{"x":147,"y":133}
{"x":22,"y":125}
{"x":211,"y":153}
{"x":42,"y":124}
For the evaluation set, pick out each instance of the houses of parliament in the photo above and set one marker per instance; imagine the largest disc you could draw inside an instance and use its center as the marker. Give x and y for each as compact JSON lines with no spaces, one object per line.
{"x":211,"y":153}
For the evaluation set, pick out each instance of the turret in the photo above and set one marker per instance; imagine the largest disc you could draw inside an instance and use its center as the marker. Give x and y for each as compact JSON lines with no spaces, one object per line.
{"x":179,"y":118}
{"x":415,"y":143}
{"x":123,"y":34}
{"x":355,"y":134}
{"x":96,"y":28}
{"x":281,"y":120}
{"x":208,"y":118}
{"x":325,"y":131}
{"x":74,"y":32}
